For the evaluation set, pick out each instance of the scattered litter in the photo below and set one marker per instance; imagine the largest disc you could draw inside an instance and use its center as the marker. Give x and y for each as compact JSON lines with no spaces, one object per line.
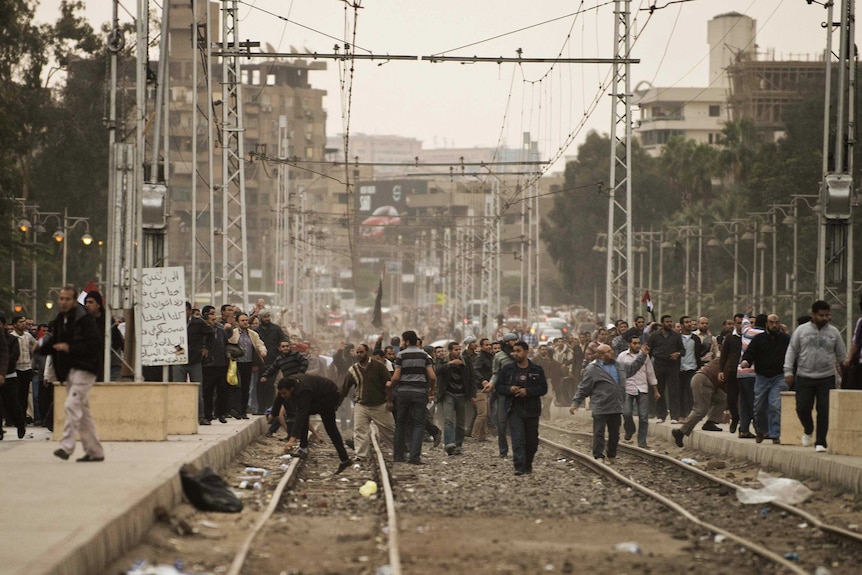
{"x":792,"y":557}
{"x":549,"y":567}
{"x":256,"y":485}
{"x":384,"y":570}
{"x":803,"y":525}
{"x":288,"y":456}
{"x":628,"y":547}
{"x":363,"y":558}
{"x":260,"y":471}
{"x":781,"y":489}
{"x":207,"y":491}
{"x":853,"y":527}
{"x":142,"y":568}
{"x":821,"y":570}
{"x":368,"y":489}
{"x":719,"y":538}
{"x":712,"y":465}
{"x":764,"y":512}
{"x":538,"y":521}
{"x":209,"y":524}
{"x":284,"y":466}
{"x":689,"y":461}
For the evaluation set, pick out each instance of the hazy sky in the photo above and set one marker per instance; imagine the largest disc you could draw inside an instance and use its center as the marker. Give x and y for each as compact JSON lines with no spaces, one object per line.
{"x":467,"y":105}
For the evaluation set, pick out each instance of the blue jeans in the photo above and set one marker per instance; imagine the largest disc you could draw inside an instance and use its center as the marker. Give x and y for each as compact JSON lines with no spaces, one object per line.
{"x":767,"y":404}
{"x":410,"y":425}
{"x":807,"y":391}
{"x":525,"y":438}
{"x":454,"y":411}
{"x":746,"y":404}
{"x":641,"y":401}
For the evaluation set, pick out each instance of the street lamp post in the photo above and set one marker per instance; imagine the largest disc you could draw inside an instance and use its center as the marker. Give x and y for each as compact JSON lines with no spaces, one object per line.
{"x":70,"y":223}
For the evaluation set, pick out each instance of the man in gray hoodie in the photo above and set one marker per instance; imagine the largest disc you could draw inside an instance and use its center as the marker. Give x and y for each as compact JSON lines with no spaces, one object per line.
{"x":815,"y":350}
{"x":604,"y":382}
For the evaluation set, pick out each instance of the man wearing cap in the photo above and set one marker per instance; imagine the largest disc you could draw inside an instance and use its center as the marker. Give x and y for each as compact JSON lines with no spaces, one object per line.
{"x":271,"y":335}
{"x":503,"y":358}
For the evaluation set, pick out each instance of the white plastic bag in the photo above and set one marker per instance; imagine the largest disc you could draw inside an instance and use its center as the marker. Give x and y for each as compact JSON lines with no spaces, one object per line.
{"x":781,"y":489}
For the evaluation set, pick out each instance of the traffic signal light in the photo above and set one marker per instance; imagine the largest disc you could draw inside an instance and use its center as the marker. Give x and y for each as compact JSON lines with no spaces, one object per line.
{"x":17,"y":308}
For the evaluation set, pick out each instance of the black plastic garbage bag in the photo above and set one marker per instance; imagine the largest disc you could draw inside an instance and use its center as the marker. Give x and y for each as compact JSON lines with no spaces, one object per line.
{"x":207,"y":491}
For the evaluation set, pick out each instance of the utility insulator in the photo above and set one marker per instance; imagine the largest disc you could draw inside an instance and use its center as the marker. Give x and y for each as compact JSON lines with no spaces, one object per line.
{"x":839,"y":193}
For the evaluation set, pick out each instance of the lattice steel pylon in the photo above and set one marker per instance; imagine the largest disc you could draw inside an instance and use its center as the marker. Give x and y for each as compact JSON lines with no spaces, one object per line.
{"x":837,"y":191}
{"x":619,"y":297}
{"x":234,"y":280}
{"x":490,"y":261}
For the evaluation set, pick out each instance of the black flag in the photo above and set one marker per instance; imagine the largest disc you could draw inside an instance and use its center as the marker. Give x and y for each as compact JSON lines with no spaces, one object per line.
{"x":377,"y":319}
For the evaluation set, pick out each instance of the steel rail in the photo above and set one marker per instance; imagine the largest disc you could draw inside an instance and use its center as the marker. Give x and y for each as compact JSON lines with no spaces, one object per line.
{"x":392,"y":518}
{"x":240,"y":557}
{"x":811,"y":519}
{"x":588,"y":461}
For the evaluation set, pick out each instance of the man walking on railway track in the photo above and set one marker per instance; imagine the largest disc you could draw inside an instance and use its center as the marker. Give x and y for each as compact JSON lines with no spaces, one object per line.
{"x":502,"y":358}
{"x":455,"y":390}
{"x":372,"y":401}
{"x":314,"y":395}
{"x":604,"y":382}
{"x":414,"y":382}
{"x":521,"y":385}
{"x":638,"y":388}
{"x":815,"y":350}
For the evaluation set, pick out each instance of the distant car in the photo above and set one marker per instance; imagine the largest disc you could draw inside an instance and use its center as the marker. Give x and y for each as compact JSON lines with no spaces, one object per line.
{"x":559,"y":324}
{"x":550,"y":334}
{"x":375,"y":225}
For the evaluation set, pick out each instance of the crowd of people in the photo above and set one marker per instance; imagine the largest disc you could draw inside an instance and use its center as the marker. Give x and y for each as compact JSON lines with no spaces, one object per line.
{"x":474,"y":388}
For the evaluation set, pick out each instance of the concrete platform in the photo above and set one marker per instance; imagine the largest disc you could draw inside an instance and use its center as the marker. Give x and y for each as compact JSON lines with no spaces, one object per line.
{"x":795,"y":460}
{"x":69,"y":518}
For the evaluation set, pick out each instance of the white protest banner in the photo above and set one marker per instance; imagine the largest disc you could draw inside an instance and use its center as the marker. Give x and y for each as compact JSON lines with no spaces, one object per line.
{"x":164,"y":339}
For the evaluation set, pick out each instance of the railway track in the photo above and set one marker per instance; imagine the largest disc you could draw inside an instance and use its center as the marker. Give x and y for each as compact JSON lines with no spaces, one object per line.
{"x":783,"y":534}
{"x":470,"y":513}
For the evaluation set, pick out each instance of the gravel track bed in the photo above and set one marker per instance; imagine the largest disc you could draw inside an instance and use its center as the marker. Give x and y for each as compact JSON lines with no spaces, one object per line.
{"x":466,"y":513}
{"x":776,"y":529}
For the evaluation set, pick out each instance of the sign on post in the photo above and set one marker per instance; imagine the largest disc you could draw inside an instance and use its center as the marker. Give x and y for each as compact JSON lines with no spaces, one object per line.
{"x":164,"y":340}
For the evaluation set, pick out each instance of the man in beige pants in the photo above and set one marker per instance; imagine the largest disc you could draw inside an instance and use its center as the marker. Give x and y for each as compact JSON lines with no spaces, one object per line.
{"x":710,"y":400}
{"x":76,"y":347}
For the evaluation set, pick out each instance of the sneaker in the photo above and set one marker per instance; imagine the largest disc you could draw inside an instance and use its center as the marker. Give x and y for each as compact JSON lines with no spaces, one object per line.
{"x":61,"y":454}
{"x":610,"y":461}
{"x":221,"y":419}
{"x":710,"y":426}
{"x":677,"y":437}
{"x":519,"y":472}
{"x":450,"y":449}
{"x":674,"y":421}
{"x":806,"y":440}
{"x":628,"y":437}
{"x":820,"y":448}
{"x":457,"y":450}
{"x":342,"y":465}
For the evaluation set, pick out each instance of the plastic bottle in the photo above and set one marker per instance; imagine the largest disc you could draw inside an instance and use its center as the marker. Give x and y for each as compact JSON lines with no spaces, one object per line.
{"x":689,"y":461}
{"x":257,"y":471}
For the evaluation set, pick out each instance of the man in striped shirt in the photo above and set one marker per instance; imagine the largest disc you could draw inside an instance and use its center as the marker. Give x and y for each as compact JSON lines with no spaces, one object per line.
{"x":414,"y":382}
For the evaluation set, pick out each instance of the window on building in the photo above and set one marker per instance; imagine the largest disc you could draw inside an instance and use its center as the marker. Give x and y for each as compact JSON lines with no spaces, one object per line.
{"x":714,"y":112}
{"x":255,"y":77}
{"x":270,"y":79}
